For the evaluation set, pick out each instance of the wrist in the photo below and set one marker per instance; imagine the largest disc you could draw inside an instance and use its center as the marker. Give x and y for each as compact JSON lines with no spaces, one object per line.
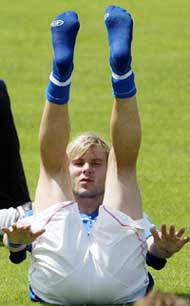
{"x":15,"y":247}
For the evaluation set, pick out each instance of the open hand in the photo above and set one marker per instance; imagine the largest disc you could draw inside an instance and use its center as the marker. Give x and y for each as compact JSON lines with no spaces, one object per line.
{"x":167,"y":242}
{"x":20,"y":233}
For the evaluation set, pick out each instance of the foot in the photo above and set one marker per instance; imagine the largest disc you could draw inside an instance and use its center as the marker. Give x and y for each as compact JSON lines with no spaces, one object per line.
{"x":64,"y":30}
{"x":119,"y":26}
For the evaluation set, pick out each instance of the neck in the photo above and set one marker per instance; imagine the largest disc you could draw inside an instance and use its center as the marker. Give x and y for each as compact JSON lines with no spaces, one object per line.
{"x":88,"y":205}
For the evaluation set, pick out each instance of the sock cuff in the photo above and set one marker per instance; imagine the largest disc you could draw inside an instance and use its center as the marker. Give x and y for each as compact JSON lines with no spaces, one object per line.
{"x":58,"y":92}
{"x":124,"y":85}
{"x":58,"y":83}
{"x":121,"y":77}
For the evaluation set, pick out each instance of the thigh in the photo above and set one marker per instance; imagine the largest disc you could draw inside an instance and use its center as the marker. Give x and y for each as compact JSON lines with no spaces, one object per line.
{"x":121,"y":189}
{"x":52,"y":188}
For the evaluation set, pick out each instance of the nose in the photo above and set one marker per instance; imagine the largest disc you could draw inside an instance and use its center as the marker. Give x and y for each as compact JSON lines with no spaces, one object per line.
{"x":87,"y":168}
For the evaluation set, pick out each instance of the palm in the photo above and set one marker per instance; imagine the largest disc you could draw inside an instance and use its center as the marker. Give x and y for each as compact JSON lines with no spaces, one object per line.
{"x":21,"y":234}
{"x":169,"y":241}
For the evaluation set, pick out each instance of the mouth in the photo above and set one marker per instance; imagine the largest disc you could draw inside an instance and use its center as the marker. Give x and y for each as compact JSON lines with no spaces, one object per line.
{"x":86,"y":180}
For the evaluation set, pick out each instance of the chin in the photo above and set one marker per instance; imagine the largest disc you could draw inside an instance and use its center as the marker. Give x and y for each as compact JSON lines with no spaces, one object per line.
{"x":85,"y":194}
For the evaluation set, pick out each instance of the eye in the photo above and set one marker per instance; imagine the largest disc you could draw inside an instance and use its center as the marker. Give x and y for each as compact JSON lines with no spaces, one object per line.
{"x":78,"y":163}
{"x":96,"y":163}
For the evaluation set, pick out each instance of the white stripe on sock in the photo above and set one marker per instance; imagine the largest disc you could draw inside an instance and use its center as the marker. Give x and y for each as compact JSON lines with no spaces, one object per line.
{"x":58,"y":83}
{"x":121,"y":77}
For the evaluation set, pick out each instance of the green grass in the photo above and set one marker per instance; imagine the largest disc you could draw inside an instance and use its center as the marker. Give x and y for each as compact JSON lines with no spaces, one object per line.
{"x":161,"y":62}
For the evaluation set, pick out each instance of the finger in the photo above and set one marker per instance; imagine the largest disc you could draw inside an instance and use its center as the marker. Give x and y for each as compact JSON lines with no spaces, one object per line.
{"x":172,"y":230}
{"x":38,"y":233}
{"x":182,"y":242}
{"x":155,"y":233}
{"x":15,"y":226}
{"x":6,"y":230}
{"x":163,"y":231}
{"x":26,"y":227}
{"x":186,"y":239}
{"x":180,"y":233}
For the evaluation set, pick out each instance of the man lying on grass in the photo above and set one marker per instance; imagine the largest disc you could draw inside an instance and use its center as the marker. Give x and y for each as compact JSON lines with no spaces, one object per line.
{"x":102,"y":258}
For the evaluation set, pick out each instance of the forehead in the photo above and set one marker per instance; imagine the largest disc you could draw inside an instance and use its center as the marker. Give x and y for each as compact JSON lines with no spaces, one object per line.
{"x":94,"y":152}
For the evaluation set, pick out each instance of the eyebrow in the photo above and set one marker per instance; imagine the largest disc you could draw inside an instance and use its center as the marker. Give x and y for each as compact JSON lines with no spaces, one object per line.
{"x":94,"y":159}
{"x":97,"y":159}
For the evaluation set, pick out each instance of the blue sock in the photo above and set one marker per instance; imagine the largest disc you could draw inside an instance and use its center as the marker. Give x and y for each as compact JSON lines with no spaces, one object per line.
{"x":64,"y":30}
{"x":119,"y":25}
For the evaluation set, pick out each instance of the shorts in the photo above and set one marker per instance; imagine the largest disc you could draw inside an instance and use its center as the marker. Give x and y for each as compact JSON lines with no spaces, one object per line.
{"x":70,"y":266}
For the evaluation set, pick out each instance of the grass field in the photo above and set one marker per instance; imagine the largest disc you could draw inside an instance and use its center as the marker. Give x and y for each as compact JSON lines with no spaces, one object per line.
{"x":161,"y":61}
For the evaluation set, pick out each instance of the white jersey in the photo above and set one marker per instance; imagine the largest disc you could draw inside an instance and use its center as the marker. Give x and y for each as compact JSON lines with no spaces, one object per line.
{"x":147,"y":224}
{"x":70,"y":266}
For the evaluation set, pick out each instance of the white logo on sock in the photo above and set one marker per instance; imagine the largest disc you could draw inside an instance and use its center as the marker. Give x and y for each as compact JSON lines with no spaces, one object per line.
{"x":106,"y":16}
{"x":57,"y":23}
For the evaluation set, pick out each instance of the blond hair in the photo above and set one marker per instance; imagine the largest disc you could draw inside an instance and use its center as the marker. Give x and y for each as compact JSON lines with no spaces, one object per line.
{"x":80,"y":144}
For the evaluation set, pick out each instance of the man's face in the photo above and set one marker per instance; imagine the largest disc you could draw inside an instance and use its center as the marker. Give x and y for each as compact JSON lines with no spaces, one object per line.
{"x":88,"y":173}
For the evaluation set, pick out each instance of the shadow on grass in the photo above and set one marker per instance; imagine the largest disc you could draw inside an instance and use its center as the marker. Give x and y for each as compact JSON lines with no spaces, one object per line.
{"x":184,"y":296}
